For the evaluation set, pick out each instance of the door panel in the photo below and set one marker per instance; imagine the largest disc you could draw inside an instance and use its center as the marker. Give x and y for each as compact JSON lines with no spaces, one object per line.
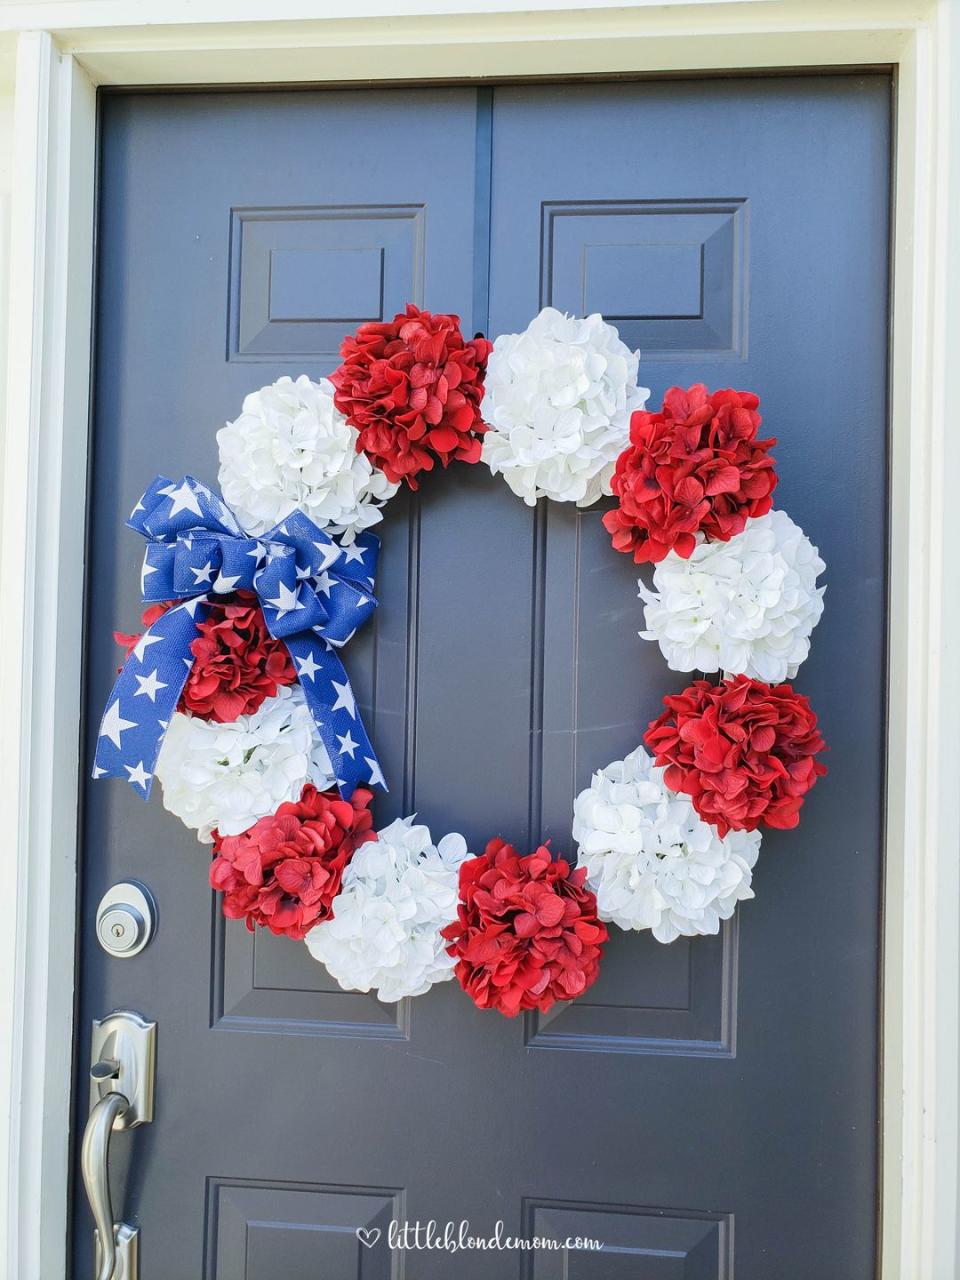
{"x":708,"y":1109}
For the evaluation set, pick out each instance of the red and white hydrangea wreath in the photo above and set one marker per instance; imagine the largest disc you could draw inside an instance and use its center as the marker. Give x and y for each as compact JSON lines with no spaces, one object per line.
{"x":666,"y":838}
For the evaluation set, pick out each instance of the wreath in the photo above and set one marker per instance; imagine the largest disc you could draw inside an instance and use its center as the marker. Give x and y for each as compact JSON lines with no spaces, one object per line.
{"x":236,"y":698}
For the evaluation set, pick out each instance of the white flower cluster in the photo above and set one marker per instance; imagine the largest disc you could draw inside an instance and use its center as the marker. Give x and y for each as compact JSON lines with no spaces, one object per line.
{"x":292,"y":448}
{"x":398,"y":892}
{"x":557,"y":401}
{"x":651,"y":860}
{"x":229,"y":776}
{"x":746,"y":607}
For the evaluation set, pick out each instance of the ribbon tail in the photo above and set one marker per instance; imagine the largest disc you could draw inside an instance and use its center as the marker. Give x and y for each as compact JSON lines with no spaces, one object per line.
{"x":326,"y":688}
{"x":145,"y":696}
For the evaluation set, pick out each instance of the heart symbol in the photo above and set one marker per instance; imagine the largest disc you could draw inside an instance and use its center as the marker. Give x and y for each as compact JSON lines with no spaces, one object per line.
{"x":368,"y":1236}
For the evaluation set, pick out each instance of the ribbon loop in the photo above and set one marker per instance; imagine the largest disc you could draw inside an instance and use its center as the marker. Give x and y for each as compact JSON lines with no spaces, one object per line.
{"x":314,"y":594}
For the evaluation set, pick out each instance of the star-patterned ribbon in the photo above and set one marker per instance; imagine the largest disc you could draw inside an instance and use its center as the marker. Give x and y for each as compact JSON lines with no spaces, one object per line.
{"x":314,"y":595}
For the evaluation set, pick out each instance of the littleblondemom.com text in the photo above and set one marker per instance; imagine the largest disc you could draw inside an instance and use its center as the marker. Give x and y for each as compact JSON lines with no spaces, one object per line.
{"x":454,"y":1237}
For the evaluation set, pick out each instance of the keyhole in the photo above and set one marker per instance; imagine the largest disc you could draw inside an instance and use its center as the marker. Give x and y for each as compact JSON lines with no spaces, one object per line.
{"x":125,"y":919}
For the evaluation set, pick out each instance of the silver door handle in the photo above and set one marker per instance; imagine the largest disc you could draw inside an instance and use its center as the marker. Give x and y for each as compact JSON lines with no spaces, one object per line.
{"x":123,"y":1054}
{"x":94,"y":1164}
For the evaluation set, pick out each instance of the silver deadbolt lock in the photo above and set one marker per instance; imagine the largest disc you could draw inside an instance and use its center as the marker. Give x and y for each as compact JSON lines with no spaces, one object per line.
{"x":126,"y":919}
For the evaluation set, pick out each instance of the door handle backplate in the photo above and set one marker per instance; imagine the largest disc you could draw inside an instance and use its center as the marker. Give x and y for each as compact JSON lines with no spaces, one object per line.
{"x":129,"y":1042}
{"x":126,"y":1240}
{"x":123,"y":1064}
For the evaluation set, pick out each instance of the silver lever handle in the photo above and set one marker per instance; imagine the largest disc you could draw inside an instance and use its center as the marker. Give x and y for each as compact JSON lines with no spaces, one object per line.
{"x":94,"y":1164}
{"x":123,"y":1054}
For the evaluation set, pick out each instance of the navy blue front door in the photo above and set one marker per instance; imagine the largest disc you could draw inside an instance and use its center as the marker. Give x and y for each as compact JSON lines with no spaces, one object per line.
{"x":709,"y":1109}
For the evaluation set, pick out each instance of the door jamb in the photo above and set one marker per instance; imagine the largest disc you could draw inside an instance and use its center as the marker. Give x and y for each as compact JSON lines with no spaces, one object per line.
{"x":43,"y":512}
{"x":41,"y":587}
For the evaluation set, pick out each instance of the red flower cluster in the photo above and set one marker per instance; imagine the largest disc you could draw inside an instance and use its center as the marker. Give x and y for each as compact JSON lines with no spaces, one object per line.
{"x":412,"y":388}
{"x":742,"y":750}
{"x":694,"y":467}
{"x":285,"y":871}
{"x":527,"y":932}
{"x":237,"y":662}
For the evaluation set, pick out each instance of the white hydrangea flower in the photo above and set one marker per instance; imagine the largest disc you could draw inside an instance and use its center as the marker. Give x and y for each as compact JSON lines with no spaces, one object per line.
{"x":558,"y":399}
{"x":746,"y":606}
{"x":651,"y":860}
{"x":230,"y":775}
{"x":398,"y":892}
{"x":292,"y":448}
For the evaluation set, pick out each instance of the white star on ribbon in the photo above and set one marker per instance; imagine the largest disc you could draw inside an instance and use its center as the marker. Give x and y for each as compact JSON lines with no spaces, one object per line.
{"x":190,"y":606}
{"x":114,"y":724}
{"x":258,"y":552}
{"x":325,"y":583}
{"x":329,"y":553}
{"x":182,"y":499}
{"x":345,"y":699}
{"x":146,"y":569}
{"x":225,"y":583}
{"x":287,"y":600}
{"x":140,"y":648}
{"x":97,"y":771}
{"x":203,"y":575}
{"x":138,"y":774}
{"x":149,"y":685}
{"x":308,"y":666}
{"x":347,"y":745}
{"x":376,"y":777}
{"x":353,"y":552}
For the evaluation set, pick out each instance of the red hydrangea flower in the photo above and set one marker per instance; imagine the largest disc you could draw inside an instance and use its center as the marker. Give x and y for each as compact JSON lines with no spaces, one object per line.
{"x":743,"y":751}
{"x":285,"y":871}
{"x":412,"y":387}
{"x":237,"y":662}
{"x":527,"y":932}
{"x":694,"y":467}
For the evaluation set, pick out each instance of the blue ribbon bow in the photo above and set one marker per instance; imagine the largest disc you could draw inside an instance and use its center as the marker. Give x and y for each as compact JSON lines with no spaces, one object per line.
{"x":314,"y":595}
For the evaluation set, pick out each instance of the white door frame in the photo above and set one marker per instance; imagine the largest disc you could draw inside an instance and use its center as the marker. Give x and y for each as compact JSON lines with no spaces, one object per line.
{"x":92,"y":42}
